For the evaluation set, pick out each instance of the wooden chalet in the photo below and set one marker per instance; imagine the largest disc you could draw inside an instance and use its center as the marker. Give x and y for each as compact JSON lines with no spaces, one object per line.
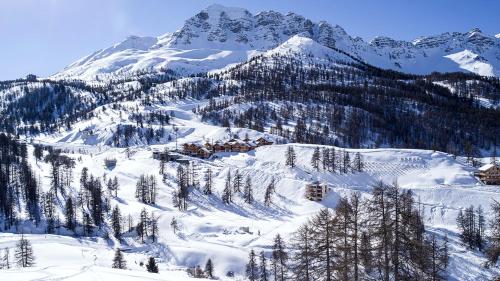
{"x":489,"y":174}
{"x":203,"y":152}
{"x":191,"y":148}
{"x":233,"y":145}
{"x":218,"y":147}
{"x":316,"y":191}
{"x":263,"y":141}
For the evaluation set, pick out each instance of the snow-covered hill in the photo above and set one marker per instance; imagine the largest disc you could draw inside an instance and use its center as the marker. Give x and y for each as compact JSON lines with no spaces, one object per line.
{"x":219,"y":36}
{"x":211,"y":229}
{"x":284,"y":66}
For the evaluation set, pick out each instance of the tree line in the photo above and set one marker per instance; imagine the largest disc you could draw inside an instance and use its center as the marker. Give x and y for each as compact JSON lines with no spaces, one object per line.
{"x":378,"y":238}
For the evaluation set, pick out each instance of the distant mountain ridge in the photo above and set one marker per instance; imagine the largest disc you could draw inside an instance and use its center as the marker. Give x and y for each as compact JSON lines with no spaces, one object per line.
{"x":219,"y":36}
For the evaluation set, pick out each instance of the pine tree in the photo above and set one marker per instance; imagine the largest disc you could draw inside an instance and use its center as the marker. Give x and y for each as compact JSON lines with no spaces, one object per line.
{"x":208,"y":182}
{"x":209,"y":269}
{"x":151,"y":266}
{"x":183,"y":188}
{"x":248,"y":191}
{"x":263,"y":274}
{"x":116,"y":186}
{"x":24,"y":253}
{"x":227,"y":196}
{"x":87,"y":224}
{"x":315,"y":159}
{"x":70,"y":215}
{"x":109,"y":185}
{"x":290,"y":156}
{"x":49,"y":210}
{"x":116,"y":224}
{"x":38,"y":152}
{"x":237,"y":181}
{"x":251,"y":271}
{"x":118,"y":261}
{"x":325,"y":160}
{"x":268,"y":196}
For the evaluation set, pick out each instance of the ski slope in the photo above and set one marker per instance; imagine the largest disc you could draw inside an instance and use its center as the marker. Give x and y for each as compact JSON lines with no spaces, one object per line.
{"x":211,"y":229}
{"x":226,"y":233}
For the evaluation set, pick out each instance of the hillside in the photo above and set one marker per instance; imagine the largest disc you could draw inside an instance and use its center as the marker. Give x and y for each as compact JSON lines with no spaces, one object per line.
{"x":443,"y":185}
{"x":95,"y":161}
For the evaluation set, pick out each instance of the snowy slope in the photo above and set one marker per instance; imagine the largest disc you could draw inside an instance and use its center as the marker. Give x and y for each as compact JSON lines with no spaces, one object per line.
{"x":219,"y":36}
{"x":211,"y":229}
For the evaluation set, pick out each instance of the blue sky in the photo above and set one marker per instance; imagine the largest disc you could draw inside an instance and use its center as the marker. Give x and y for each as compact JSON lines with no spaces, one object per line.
{"x":43,"y":36}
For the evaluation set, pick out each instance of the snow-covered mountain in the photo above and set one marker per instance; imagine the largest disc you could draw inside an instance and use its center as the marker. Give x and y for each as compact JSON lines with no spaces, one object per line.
{"x":219,"y":36}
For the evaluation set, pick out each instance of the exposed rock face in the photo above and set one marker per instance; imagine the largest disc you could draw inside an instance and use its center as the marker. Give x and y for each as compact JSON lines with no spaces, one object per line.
{"x":222,"y":35}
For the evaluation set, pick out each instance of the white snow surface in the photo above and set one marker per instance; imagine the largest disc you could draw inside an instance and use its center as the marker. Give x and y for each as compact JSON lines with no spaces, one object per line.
{"x":210,"y":229}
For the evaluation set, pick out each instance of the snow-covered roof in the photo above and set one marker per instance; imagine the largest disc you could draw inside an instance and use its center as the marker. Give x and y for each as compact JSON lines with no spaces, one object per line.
{"x":486,"y":167}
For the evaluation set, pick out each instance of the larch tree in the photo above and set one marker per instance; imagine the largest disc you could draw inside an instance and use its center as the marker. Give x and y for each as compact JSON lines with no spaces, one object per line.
{"x":252,"y":270}
{"x":303,"y":260}
{"x":263,"y":273}
{"x":290,"y":156}
{"x":5,"y":262}
{"x":493,"y":250}
{"x":315,"y":159}
{"x":237,"y":181}
{"x":227,"y":194}
{"x":268,"y":196}
{"x":207,"y":190}
{"x":23,"y":254}
{"x":248,"y":191}
{"x":279,"y":259}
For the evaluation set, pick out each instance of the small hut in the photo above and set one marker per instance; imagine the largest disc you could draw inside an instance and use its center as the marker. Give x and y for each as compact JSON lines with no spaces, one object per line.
{"x":110,"y":163}
{"x":263,"y":141}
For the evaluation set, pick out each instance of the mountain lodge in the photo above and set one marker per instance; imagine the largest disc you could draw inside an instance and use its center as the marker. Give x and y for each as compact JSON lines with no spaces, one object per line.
{"x":489,"y":174}
{"x":316,"y":191}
